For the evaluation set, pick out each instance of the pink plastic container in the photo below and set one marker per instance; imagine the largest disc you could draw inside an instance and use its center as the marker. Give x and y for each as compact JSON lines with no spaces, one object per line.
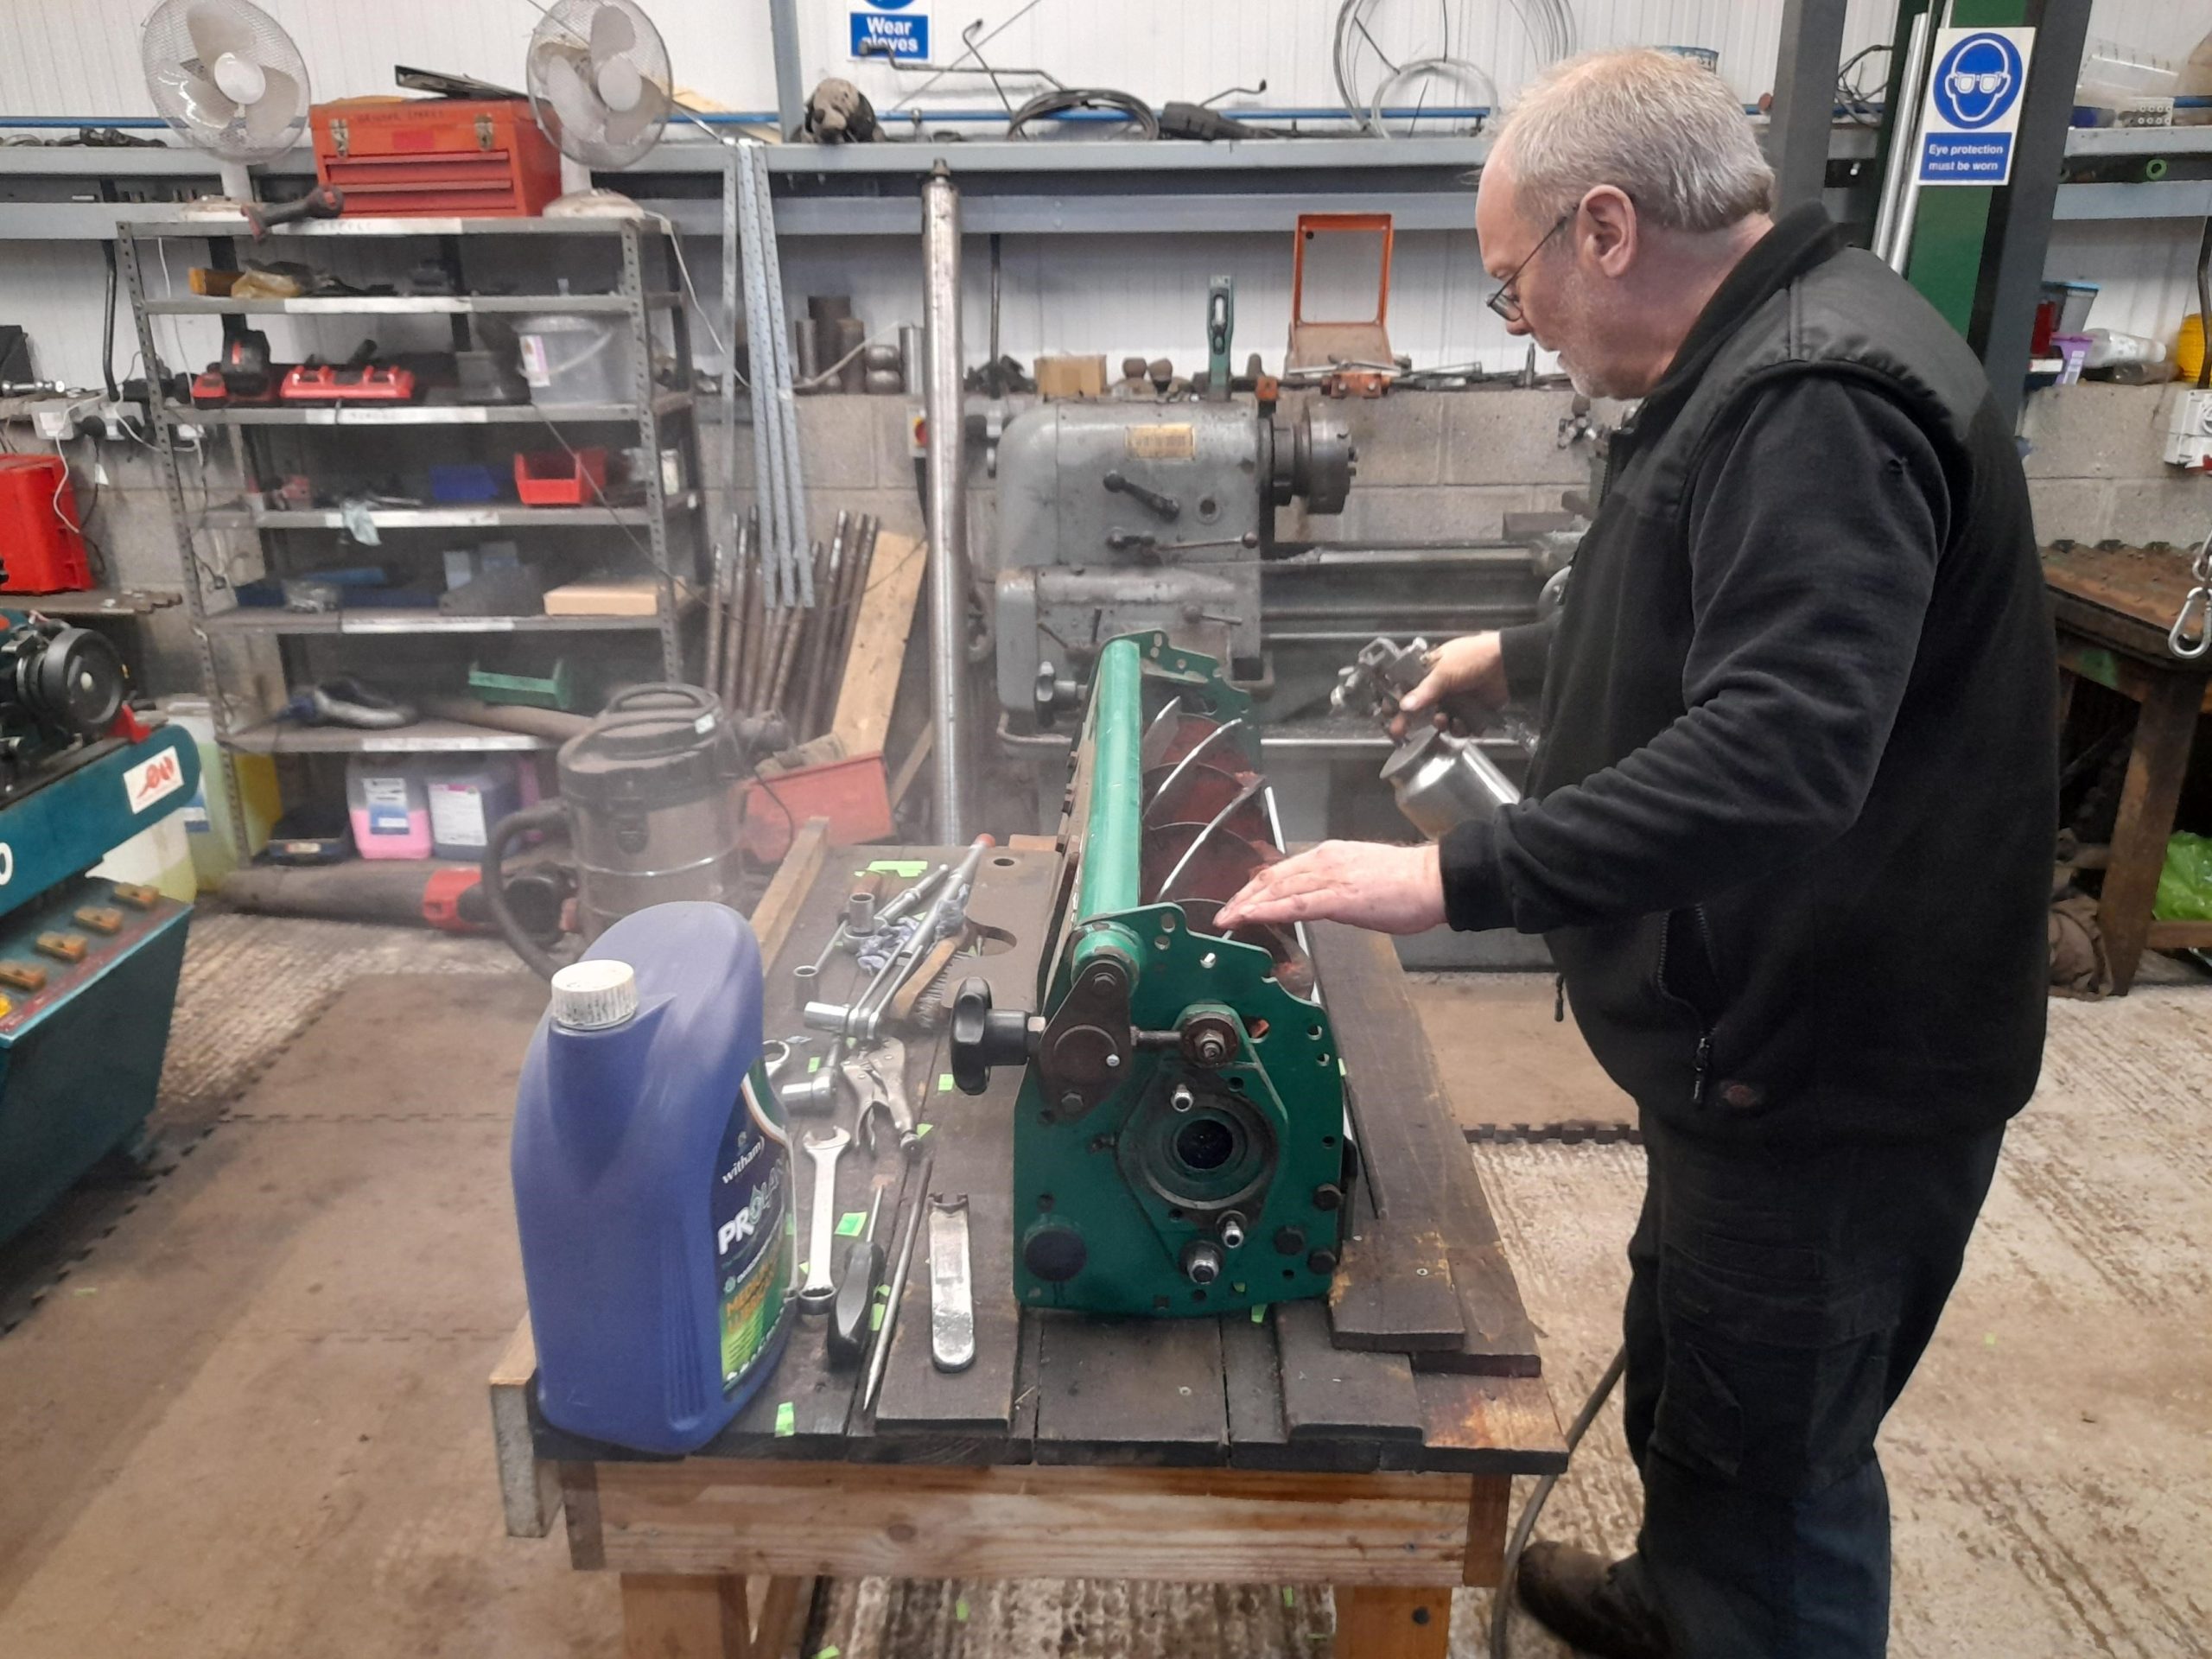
{"x":389,"y":806}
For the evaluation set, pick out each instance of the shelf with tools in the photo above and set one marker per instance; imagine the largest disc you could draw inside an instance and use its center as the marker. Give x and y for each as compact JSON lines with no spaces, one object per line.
{"x":425,"y":414}
{"x":458,"y":517}
{"x":422,"y":737}
{"x":479,"y":433}
{"x":428,"y":305}
{"x":367,"y":621}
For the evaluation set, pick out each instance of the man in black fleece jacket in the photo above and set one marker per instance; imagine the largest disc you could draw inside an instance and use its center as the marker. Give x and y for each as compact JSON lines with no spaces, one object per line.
{"x":1788,"y":833}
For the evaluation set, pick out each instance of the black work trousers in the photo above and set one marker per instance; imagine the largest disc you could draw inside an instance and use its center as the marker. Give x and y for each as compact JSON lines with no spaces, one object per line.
{"x":1778,"y":1300}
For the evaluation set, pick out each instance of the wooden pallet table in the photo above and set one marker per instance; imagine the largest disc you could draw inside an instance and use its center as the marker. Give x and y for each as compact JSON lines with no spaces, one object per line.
{"x":1367,"y":1442}
{"x":2113,"y":606}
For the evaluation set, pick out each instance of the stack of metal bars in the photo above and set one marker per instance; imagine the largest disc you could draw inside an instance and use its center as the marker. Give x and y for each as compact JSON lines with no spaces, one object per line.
{"x":779,"y":479}
{"x":764,"y":654}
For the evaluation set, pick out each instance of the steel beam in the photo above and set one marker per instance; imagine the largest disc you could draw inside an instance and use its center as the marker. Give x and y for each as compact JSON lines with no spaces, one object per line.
{"x":2019,"y":231}
{"x":1796,"y":139}
{"x":790,"y":86}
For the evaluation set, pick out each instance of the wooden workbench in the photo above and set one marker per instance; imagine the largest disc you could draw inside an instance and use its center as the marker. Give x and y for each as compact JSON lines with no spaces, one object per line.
{"x":2113,"y":606}
{"x":1225,"y":1450}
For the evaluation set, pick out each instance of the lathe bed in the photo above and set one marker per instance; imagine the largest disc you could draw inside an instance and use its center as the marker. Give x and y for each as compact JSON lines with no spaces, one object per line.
{"x":1367,"y":1440}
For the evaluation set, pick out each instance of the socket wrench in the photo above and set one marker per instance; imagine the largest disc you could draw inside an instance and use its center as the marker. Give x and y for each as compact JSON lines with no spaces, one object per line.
{"x":820,"y":1289}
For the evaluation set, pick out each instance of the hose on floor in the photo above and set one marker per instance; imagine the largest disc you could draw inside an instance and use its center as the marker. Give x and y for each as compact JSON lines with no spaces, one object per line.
{"x":1502,"y":1601}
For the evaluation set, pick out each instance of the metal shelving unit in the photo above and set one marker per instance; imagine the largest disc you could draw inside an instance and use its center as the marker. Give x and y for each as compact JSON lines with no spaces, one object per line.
{"x":423,"y":737}
{"x":662,"y":418}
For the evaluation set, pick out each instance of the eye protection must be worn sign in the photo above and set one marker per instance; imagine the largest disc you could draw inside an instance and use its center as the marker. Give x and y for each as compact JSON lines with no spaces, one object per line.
{"x":1973,"y":108}
{"x":890,"y":28}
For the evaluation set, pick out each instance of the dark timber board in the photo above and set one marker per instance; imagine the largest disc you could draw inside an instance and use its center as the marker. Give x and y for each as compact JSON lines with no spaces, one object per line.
{"x":1281,"y":1392}
{"x":1422,"y":1216}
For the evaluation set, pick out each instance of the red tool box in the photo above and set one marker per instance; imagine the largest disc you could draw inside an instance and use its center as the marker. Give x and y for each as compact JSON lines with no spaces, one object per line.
{"x":346,"y":383}
{"x":40,"y":542}
{"x":435,"y":157}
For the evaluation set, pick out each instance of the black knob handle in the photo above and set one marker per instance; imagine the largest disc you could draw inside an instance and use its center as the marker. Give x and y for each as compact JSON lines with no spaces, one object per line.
{"x":983,"y":1038}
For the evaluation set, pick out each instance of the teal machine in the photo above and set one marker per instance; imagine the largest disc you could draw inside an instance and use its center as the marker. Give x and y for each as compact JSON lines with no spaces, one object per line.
{"x":88,"y":967}
{"x":1178,"y":1140}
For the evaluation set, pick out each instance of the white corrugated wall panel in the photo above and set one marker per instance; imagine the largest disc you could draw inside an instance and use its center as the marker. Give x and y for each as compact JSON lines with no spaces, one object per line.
{"x":1138,"y":294}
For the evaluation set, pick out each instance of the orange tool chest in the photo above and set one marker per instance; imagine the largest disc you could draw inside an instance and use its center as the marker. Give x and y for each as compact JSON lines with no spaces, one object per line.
{"x":435,"y":157}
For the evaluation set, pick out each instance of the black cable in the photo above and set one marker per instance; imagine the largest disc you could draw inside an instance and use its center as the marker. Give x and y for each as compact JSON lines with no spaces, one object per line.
{"x":1062,"y":99}
{"x":108,"y":330}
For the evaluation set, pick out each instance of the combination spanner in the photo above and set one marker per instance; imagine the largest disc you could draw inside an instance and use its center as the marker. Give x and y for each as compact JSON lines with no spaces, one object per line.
{"x":821,"y":1287}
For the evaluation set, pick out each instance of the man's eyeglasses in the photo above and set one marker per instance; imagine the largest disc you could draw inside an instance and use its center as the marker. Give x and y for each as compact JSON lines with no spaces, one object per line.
{"x":1506,"y":301}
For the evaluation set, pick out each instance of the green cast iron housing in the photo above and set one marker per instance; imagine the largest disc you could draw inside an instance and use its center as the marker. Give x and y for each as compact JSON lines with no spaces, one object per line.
{"x":1197,"y":1176}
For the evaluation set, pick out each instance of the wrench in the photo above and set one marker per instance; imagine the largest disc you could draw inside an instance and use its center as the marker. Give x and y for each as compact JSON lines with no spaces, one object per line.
{"x":952,"y":1305}
{"x":820,"y":1289}
{"x":878,"y":1076}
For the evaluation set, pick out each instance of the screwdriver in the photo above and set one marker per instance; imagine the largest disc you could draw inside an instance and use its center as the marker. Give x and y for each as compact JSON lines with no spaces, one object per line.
{"x":863,"y":1271}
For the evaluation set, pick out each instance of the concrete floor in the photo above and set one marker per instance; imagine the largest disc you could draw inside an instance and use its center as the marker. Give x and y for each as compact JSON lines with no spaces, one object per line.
{"x":250,"y":1419}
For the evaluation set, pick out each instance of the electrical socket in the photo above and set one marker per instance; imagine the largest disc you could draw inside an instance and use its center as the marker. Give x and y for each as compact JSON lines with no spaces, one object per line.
{"x":55,"y":423}
{"x":2189,"y":434}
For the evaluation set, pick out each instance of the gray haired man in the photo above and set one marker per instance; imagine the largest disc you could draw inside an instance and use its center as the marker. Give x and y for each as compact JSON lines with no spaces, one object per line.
{"x":1788,"y":834}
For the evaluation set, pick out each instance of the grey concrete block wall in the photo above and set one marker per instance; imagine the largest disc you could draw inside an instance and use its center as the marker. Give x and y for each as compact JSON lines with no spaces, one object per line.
{"x":2094,"y":467}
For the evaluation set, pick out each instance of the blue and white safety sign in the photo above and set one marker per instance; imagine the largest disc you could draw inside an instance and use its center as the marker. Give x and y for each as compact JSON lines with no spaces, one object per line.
{"x":890,"y":28}
{"x":1972,"y":108}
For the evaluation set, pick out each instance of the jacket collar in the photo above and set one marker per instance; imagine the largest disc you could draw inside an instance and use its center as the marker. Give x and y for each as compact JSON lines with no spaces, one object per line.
{"x":1801,"y":238}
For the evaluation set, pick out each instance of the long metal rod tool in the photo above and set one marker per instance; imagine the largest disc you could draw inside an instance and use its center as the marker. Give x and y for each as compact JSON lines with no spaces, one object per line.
{"x":918,"y":1185}
{"x":945,"y":411}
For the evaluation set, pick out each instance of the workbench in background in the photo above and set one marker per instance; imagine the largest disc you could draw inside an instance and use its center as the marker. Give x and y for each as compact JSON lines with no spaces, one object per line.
{"x":1232,"y":1449}
{"x":2113,"y":606}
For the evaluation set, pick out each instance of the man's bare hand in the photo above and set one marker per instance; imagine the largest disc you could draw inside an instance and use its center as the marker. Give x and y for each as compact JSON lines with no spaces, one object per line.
{"x":1390,"y":889}
{"x":1469,"y":671}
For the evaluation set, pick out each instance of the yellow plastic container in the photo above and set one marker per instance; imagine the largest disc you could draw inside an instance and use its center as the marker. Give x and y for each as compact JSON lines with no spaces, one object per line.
{"x":2189,"y":348}
{"x":217,"y":847}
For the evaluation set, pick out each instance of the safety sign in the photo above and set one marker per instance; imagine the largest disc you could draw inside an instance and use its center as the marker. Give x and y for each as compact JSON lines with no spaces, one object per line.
{"x":890,"y":28}
{"x":1972,"y":108}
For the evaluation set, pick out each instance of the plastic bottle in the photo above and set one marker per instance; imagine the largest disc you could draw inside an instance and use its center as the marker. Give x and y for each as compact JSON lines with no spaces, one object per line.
{"x":2108,"y":347}
{"x":390,"y":810}
{"x":653,"y":1185}
{"x":467,"y":794}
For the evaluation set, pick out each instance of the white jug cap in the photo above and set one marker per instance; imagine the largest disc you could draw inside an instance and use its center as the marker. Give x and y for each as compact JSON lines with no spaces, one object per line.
{"x":592,"y":995}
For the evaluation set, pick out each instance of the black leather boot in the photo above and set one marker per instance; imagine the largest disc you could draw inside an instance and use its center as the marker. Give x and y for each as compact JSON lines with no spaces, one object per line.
{"x":1586,"y":1601}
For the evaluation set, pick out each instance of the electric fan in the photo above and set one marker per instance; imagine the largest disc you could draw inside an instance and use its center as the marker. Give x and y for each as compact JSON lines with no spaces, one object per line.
{"x":225,"y":75}
{"x":599,"y":84}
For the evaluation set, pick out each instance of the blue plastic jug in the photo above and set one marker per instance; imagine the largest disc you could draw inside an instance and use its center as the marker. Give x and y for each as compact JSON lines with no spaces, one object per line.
{"x":652,"y":1183}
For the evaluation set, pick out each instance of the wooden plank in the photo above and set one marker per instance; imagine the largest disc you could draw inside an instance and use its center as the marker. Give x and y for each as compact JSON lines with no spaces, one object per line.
{"x":781,"y":1607}
{"x":669,"y":1616}
{"x":1487,"y":1507}
{"x":879,"y":647}
{"x":927,"y":1412}
{"x":1385,"y":1623}
{"x":1487,"y":1426}
{"x":1421,"y":1185}
{"x":1331,"y":1393}
{"x":530,"y":1490}
{"x":580,"y":1500}
{"x":1252,"y":1393}
{"x":1013,"y":1521}
{"x":1130,"y":1391}
{"x":787,"y":889}
{"x":2148,"y":797}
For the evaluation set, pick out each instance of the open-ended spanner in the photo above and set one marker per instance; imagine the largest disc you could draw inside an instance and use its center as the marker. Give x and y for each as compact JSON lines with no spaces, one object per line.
{"x":821,"y":1287}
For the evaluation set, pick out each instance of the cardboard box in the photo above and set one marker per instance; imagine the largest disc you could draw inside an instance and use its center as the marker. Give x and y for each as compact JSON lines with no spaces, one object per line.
{"x":1072,"y":376}
{"x":608,"y":596}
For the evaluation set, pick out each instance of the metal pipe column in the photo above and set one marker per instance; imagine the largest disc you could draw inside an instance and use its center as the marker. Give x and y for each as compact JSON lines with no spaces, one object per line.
{"x":948,"y":500}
